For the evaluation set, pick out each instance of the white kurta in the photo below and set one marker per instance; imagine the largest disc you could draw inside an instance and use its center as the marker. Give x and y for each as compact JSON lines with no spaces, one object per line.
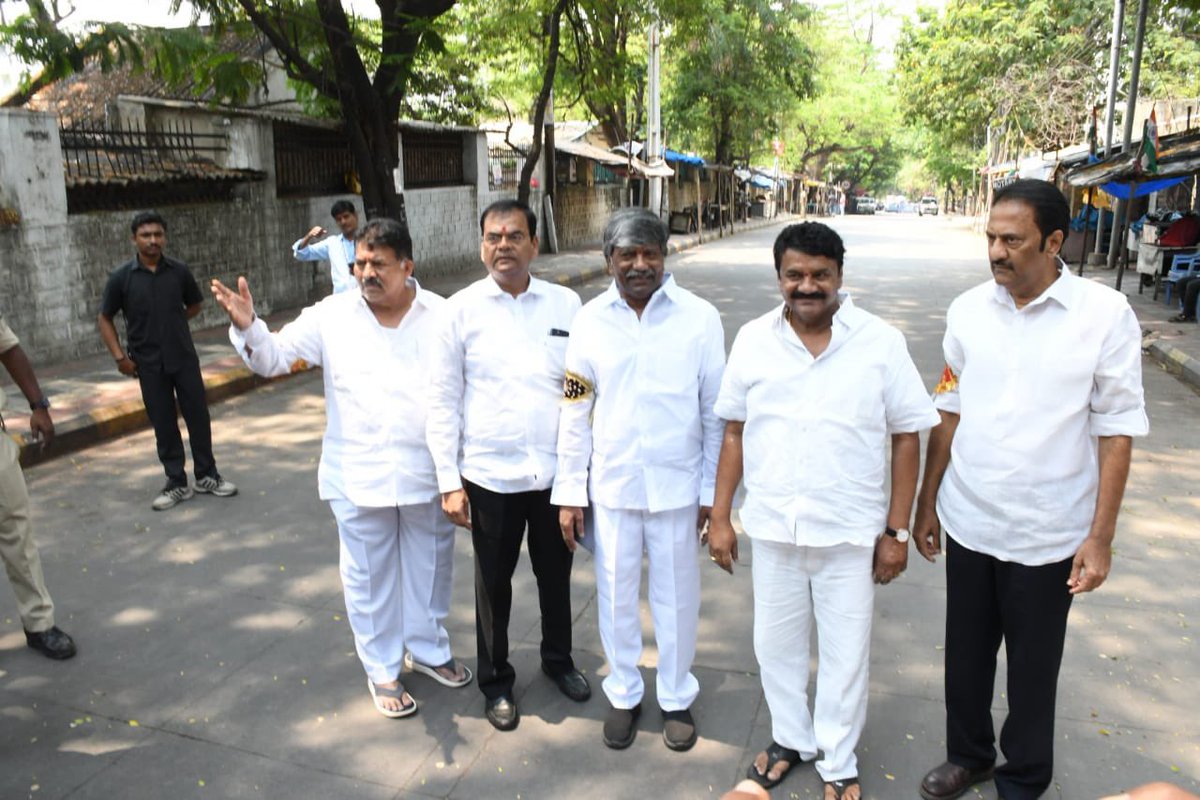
{"x":638,"y":436}
{"x":376,"y":472}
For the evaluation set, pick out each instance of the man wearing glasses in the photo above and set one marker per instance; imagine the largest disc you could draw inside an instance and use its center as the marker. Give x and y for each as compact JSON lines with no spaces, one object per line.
{"x":496,"y":382}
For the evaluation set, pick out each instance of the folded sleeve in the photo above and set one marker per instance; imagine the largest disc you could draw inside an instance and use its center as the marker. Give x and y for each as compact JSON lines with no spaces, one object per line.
{"x":1118,"y":406}
{"x":907,"y":404}
{"x":731,"y":397}
{"x":712,"y":427}
{"x":269,"y":354}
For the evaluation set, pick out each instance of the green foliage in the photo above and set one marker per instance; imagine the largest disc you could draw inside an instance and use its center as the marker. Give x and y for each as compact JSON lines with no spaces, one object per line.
{"x":1030,"y":70}
{"x":732,"y":71}
{"x":847,"y":130}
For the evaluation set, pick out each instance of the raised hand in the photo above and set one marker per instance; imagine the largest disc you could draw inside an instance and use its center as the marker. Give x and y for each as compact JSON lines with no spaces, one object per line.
{"x":238,"y":305}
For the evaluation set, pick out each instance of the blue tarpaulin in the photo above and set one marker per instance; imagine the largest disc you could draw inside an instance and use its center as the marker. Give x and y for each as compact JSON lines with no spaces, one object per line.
{"x":683,"y":158}
{"x":762,"y":182}
{"x":1121,"y":190}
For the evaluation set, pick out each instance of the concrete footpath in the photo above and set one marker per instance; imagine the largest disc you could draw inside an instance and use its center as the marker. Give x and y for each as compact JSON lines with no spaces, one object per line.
{"x":92,"y":402}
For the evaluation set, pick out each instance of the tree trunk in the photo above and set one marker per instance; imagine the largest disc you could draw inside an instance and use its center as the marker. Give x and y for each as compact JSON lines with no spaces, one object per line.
{"x":539,"y":113}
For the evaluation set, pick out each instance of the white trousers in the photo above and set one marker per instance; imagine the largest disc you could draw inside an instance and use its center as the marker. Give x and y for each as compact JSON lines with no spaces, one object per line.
{"x":792,"y":587}
{"x":670,"y":541}
{"x":396,"y":568}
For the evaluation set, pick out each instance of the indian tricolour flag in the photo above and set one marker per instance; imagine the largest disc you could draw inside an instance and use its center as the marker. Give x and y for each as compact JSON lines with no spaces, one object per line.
{"x":1147,"y":161}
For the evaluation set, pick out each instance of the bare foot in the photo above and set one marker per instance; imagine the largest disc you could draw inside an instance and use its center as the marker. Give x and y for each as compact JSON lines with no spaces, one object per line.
{"x":393,"y":703}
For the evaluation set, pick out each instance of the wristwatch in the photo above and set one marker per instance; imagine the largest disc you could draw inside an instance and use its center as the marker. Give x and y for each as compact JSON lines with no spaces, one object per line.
{"x":900,"y":536}
{"x":44,"y":402}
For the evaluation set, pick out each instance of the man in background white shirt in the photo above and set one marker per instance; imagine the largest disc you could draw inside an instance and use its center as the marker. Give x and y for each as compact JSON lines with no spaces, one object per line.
{"x":1040,"y":399}
{"x":337,"y":250}
{"x":495,"y":386}
{"x":638,"y":438}
{"x":376,"y":472}
{"x":814,"y":390}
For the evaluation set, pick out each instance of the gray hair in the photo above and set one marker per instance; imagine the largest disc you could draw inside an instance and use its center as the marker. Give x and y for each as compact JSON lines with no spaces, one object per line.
{"x":629,"y":227}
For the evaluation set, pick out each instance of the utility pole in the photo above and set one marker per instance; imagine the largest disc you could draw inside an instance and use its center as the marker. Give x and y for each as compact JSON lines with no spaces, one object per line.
{"x":1122,"y":218}
{"x":654,"y":153}
{"x":1114,"y":65}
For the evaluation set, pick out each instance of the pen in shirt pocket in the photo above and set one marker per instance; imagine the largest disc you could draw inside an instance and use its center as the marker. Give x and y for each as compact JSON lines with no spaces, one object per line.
{"x":558,"y":332}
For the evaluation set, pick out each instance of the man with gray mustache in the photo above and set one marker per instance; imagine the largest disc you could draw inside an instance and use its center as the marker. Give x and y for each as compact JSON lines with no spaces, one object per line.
{"x":639,"y":439}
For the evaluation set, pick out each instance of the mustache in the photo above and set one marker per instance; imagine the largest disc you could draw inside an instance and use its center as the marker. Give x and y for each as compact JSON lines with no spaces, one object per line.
{"x":799,"y":295}
{"x":639,"y":273}
{"x":372,"y":282}
{"x":1003,"y":264}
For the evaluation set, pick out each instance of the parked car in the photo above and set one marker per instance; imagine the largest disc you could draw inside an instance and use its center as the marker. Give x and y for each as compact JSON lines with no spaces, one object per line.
{"x":928,"y":205}
{"x":866,"y":205}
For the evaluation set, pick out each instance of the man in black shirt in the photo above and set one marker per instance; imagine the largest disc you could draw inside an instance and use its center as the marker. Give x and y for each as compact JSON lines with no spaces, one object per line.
{"x":158,"y":295}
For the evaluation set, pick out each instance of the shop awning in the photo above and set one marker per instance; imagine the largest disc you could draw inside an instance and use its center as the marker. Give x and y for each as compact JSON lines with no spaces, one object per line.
{"x":1178,"y":156}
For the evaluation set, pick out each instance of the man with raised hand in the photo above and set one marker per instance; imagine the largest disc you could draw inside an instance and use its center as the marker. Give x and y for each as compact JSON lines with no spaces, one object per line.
{"x":376,"y":472}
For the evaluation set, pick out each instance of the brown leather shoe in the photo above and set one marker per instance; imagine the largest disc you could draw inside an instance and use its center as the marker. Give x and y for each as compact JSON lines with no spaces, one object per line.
{"x":947,"y":781}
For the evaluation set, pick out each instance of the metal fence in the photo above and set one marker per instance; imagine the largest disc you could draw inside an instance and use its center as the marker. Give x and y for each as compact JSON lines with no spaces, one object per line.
{"x":432,"y":159}
{"x":504,"y":167}
{"x":98,"y":151}
{"x":311,"y":161}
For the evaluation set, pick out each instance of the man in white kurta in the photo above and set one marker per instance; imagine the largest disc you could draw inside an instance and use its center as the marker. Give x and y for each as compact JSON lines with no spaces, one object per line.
{"x":375,"y":471}
{"x":637,"y":437}
{"x":812,"y":393}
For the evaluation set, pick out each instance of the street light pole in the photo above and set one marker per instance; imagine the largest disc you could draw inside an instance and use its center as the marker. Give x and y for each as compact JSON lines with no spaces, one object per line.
{"x":1114,"y":65}
{"x":1122,"y":220}
{"x":653,"y":152}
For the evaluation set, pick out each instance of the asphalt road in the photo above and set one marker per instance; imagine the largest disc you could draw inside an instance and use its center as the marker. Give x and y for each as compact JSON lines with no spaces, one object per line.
{"x":215,"y":660}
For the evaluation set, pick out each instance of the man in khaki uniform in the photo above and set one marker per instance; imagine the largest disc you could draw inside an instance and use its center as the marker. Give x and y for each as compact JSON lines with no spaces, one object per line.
{"x":17,"y":548}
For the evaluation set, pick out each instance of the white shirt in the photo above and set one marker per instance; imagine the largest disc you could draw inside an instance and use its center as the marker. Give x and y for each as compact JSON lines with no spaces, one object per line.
{"x":497,"y":377}
{"x":640,"y":414}
{"x":374,"y":452}
{"x":338,"y":250}
{"x":1034,"y":387}
{"x":814,"y":446}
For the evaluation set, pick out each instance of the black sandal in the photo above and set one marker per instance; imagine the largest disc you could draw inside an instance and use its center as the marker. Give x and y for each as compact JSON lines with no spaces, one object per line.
{"x":840,"y":787}
{"x":1181,"y":318}
{"x":775,"y":754}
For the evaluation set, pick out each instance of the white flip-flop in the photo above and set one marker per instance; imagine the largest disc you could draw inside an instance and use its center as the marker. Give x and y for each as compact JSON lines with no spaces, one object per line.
{"x":416,"y":666}
{"x":396,"y":694}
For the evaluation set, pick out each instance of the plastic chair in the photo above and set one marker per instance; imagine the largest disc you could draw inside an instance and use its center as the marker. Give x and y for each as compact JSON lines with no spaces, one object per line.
{"x":1184,"y":267}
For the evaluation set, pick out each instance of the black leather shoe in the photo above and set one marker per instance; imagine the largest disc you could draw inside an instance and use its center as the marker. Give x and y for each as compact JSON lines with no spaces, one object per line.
{"x":947,"y":781}
{"x":52,"y":643}
{"x":679,"y":729}
{"x":620,"y":726}
{"x":572,"y":683}
{"x":502,"y":713}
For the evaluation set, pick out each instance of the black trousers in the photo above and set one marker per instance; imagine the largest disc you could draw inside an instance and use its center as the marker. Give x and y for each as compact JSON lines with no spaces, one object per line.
{"x":159,"y":392}
{"x":988,"y":600}
{"x":498,"y":523}
{"x":1189,"y":295}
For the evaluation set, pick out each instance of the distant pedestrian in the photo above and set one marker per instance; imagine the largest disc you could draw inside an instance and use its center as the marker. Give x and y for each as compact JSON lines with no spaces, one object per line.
{"x":397,"y":548}
{"x":1039,"y":400}
{"x":17,"y":548}
{"x":638,"y":442}
{"x":814,"y":392}
{"x":158,"y":295}
{"x":1188,"y":290}
{"x":495,"y":387}
{"x":338,"y":250}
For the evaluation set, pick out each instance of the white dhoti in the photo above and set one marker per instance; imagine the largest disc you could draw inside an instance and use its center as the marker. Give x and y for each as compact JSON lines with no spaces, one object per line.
{"x":833,"y":585}
{"x":396,"y":568}
{"x":670,"y":541}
